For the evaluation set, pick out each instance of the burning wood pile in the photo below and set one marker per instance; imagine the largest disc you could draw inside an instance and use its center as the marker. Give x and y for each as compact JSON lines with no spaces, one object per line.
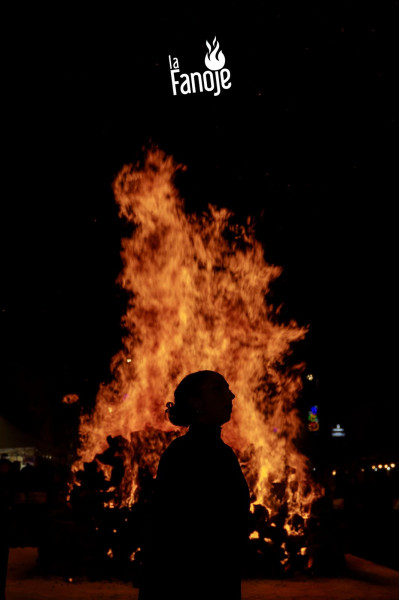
{"x":117,"y":532}
{"x":198,"y":299}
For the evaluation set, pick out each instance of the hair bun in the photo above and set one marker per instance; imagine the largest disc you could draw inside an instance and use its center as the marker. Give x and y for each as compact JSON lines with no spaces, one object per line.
{"x":178,"y":414}
{"x":169,"y":406}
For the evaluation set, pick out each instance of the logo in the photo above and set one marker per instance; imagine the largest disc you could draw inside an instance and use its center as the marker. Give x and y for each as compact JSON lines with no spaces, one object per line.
{"x":215,"y":79}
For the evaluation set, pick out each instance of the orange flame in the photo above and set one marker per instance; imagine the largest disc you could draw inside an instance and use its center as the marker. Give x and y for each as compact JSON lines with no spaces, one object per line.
{"x":197,"y":300}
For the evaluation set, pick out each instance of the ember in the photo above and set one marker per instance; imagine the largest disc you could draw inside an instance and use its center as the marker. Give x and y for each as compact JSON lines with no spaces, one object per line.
{"x":198,"y":300}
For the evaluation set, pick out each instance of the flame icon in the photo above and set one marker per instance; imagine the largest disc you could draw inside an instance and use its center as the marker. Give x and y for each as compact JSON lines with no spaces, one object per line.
{"x":214,"y":58}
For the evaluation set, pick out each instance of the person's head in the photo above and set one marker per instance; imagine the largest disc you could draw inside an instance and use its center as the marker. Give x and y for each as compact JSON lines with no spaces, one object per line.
{"x":202,"y":397}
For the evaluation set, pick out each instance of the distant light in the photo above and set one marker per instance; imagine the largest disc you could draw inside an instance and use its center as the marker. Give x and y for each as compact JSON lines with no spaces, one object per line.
{"x":393,"y":465}
{"x":309,"y":377}
{"x":362,"y":470}
{"x":128,"y":360}
{"x":334,"y":472}
{"x":373,"y":466}
{"x":338,"y":431}
{"x":133,"y":555}
{"x":313,"y":419}
{"x":380,"y":466}
{"x":70,"y":399}
{"x":385,"y":466}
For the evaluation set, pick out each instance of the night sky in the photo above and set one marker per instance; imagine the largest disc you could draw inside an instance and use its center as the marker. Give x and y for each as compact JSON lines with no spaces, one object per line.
{"x":305,"y":141}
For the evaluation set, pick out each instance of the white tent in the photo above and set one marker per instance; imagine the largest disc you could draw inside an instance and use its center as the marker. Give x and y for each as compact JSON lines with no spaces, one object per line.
{"x":16,"y":444}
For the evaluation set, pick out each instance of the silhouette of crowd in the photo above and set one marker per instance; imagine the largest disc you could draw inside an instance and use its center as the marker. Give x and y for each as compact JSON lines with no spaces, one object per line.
{"x":78,"y":533}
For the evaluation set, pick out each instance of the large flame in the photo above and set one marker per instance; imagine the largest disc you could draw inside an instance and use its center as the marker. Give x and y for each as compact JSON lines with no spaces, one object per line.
{"x":197,"y":300}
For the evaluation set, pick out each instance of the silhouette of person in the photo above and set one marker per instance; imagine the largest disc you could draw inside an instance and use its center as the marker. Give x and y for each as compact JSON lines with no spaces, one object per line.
{"x":200,"y":511}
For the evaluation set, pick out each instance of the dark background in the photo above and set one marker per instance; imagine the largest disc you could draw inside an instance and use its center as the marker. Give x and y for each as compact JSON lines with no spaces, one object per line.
{"x":305,"y":140}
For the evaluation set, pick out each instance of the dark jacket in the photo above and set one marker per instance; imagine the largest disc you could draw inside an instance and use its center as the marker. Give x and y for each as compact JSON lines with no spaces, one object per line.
{"x":199,"y":522}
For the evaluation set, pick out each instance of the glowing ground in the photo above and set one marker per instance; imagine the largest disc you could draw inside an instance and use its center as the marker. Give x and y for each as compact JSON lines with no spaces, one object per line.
{"x":364,"y":581}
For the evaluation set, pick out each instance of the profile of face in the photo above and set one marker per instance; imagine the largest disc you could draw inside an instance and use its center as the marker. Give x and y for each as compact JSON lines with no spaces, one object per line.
{"x":214,"y":403}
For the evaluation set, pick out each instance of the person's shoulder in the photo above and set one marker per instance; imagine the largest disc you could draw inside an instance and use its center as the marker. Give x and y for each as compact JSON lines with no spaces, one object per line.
{"x":176,"y":448}
{"x":175,"y":457}
{"x":178,"y":444}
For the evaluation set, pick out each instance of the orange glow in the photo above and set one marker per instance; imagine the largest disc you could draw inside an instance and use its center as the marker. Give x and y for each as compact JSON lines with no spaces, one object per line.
{"x":70,"y":399}
{"x":197,"y":300}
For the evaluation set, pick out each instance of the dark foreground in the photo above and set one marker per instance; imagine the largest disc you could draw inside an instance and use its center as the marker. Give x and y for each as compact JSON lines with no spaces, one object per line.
{"x":364,"y":580}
